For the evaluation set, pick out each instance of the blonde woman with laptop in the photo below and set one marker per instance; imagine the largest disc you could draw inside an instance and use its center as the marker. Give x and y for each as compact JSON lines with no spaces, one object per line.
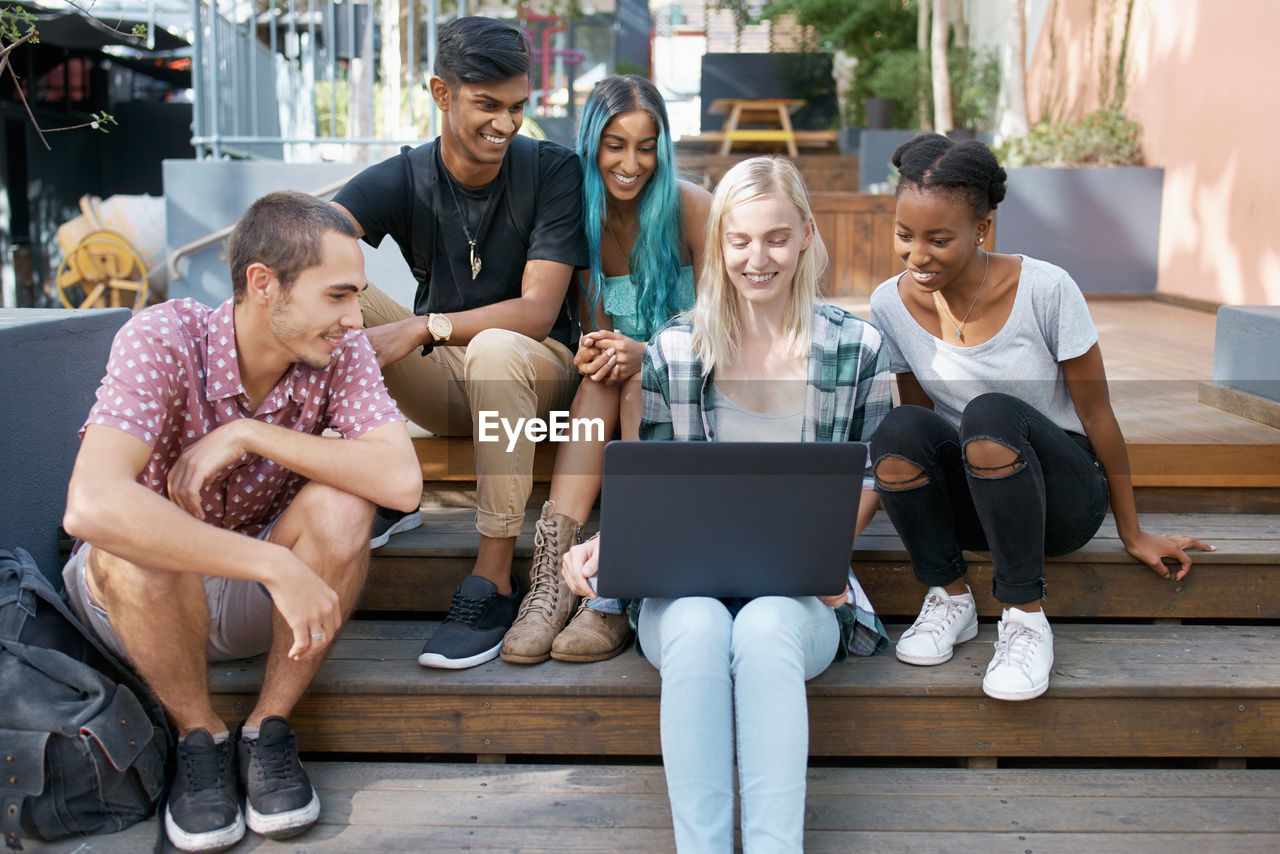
{"x":758,"y":358}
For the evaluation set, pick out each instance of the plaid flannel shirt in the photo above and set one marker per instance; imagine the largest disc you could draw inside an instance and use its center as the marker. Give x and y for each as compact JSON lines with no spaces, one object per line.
{"x":847,"y":395}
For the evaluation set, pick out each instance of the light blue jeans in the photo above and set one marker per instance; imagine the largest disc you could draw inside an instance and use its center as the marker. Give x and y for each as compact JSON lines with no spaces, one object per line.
{"x":716,"y":668}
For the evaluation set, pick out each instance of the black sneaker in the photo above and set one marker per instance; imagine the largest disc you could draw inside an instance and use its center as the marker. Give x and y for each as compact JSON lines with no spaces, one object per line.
{"x":387,"y":522}
{"x":472,"y":634}
{"x":203,"y":813}
{"x":279,"y":801}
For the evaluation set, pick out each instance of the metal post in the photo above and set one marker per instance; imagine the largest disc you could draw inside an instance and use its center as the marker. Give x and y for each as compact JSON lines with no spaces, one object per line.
{"x":197,"y":72}
{"x":569,"y":77}
{"x":251,"y":40}
{"x":433,"y":14}
{"x":415,"y":65}
{"x":353,"y":103}
{"x":294,"y":44}
{"x":213,"y":82}
{"x":330,"y":36}
{"x":311,"y":26}
{"x":366,"y":50}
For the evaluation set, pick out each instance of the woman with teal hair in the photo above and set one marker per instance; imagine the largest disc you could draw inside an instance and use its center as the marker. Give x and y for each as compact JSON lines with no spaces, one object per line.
{"x":644,"y":232}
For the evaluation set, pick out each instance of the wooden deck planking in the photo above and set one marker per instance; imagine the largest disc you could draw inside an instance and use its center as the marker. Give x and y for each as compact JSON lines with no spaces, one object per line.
{"x":418,"y":570}
{"x":416,"y":807}
{"x":1151,"y":660}
{"x":1163,"y":690}
{"x":1144,"y":338}
{"x":450,"y":533}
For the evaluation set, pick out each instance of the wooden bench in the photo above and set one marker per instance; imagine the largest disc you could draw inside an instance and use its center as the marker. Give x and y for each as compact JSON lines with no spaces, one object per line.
{"x":775,"y":113}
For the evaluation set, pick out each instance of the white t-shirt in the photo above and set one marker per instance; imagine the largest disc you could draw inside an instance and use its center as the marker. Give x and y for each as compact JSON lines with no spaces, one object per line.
{"x":1049,"y":323}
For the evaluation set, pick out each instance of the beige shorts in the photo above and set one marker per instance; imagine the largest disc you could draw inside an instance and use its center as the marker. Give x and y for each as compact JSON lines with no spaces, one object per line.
{"x":239,"y":612}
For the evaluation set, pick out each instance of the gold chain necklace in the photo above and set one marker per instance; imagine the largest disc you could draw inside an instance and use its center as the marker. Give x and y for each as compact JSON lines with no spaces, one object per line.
{"x":937,"y":298}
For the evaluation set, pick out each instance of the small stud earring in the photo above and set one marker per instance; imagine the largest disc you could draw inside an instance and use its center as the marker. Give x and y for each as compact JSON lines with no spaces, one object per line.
{"x":980,"y":239}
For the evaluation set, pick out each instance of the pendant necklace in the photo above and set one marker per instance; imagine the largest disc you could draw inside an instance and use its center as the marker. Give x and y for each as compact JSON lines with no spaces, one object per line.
{"x":937,"y":297}
{"x":473,"y":256}
{"x":621,"y":253}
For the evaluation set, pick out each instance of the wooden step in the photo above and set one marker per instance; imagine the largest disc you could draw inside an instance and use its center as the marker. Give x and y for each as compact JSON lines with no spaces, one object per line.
{"x":1144,"y":691}
{"x":1153,"y":463}
{"x":418,"y":570}
{"x":413,"y":807}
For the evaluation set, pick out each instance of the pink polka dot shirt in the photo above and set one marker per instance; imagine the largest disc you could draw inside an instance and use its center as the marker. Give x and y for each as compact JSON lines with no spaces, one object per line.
{"x":173,"y":377}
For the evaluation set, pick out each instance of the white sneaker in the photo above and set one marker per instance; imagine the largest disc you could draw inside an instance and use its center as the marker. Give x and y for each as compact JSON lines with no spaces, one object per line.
{"x":1019,"y":670}
{"x":944,"y":621}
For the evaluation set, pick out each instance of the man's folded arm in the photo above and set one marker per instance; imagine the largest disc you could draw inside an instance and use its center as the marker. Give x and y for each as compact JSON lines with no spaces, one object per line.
{"x":107,"y":507}
{"x":379,"y":465}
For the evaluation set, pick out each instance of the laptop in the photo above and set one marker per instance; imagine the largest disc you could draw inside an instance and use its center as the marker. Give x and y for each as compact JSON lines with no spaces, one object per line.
{"x":728,"y":519}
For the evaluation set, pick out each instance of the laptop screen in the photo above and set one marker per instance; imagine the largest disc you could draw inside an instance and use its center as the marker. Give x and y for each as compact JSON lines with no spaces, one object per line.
{"x":728,"y":519}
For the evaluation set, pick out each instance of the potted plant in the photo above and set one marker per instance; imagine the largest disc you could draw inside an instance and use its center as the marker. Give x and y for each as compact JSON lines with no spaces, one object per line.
{"x":1079,"y":196}
{"x":864,"y":31}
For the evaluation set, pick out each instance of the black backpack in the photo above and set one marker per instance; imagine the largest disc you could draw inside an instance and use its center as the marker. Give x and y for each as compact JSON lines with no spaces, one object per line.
{"x":83,"y":744}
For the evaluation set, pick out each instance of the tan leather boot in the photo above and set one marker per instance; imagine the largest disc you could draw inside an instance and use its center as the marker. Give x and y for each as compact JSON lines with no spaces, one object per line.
{"x":549,"y":603}
{"x":592,"y":636}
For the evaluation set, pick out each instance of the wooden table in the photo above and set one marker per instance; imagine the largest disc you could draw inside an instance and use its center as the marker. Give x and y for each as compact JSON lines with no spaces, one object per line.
{"x":773,"y":112}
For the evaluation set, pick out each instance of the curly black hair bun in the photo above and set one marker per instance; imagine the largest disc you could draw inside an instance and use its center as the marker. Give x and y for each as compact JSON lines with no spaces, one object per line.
{"x":931,"y":160}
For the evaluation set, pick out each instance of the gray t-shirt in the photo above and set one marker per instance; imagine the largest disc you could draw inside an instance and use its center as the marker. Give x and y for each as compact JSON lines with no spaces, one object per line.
{"x":736,"y":423}
{"x":1049,"y":324}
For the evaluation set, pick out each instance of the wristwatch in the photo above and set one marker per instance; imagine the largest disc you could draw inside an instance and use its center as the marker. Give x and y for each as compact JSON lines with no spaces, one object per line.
{"x":440,"y":327}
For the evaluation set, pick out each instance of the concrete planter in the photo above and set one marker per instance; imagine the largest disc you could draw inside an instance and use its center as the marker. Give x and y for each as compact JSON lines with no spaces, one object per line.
{"x":876,"y":151}
{"x":880,"y":112}
{"x":849,"y":140}
{"x":54,"y":359}
{"x":1101,"y":225}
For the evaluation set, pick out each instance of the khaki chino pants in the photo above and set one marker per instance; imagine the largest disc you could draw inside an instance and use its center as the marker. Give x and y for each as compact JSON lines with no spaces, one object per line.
{"x":498,"y":371}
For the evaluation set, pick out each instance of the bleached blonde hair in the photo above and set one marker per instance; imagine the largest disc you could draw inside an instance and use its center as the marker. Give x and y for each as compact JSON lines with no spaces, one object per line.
{"x":717,"y":325}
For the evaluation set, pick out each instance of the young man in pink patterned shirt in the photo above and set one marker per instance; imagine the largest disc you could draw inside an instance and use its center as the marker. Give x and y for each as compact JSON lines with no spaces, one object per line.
{"x":216,"y":522}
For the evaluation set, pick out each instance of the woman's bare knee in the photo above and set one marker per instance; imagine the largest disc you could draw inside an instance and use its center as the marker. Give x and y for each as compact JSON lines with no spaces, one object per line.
{"x":895,"y":473}
{"x":989,"y":458}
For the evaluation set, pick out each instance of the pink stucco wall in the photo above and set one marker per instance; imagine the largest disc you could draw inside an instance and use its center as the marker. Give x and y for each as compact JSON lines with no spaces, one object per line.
{"x":1205,"y":85}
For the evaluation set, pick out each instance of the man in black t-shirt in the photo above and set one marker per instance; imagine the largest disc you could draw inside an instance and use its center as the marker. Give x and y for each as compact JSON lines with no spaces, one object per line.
{"x":492,"y":229}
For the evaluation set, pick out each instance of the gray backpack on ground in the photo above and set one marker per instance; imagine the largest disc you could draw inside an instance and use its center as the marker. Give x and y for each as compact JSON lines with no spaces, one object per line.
{"x":82,"y":743}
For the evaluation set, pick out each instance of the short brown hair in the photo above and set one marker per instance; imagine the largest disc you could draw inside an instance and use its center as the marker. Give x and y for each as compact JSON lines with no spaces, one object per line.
{"x":284,"y":231}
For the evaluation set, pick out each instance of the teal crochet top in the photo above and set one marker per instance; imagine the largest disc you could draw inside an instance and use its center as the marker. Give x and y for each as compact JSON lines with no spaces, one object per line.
{"x":620,"y":304}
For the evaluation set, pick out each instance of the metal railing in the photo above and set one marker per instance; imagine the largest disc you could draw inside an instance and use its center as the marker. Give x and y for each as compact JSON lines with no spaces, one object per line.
{"x":257,"y":98}
{"x":264,"y":72}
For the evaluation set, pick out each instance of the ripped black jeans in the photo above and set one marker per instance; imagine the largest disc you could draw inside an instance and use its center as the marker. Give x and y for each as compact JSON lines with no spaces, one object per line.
{"x":1051,"y":503}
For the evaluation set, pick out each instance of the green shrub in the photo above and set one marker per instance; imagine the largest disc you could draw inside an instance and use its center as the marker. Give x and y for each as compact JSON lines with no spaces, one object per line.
{"x":1103,"y":138}
{"x":975,"y":85}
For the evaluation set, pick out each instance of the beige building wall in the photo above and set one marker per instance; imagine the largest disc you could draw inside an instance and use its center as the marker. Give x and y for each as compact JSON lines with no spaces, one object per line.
{"x":1204,"y":82}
